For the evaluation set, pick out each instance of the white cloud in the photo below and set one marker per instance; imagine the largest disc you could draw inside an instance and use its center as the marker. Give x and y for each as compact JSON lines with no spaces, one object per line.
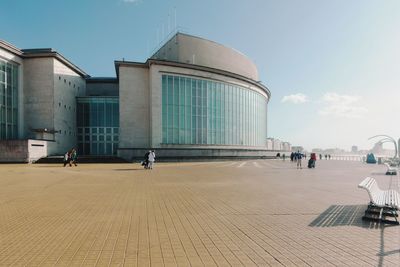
{"x":131,"y":1}
{"x":295,"y":98}
{"x":346,"y":106}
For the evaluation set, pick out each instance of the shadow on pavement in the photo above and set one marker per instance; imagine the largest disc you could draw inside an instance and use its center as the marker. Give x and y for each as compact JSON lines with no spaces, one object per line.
{"x":351,"y":215}
{"x":343,"y":215}
{"x":378,"y":173}
{"x":122,"y":170}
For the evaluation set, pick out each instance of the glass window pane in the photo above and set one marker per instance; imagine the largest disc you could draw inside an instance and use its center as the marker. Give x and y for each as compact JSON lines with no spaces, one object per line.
{"x":101,"y":150}
{"x":94,"y":148}
{"x":108,"y":115}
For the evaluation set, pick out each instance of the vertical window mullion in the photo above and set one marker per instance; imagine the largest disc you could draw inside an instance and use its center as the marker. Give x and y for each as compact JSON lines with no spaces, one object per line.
{"x":5,"y":103}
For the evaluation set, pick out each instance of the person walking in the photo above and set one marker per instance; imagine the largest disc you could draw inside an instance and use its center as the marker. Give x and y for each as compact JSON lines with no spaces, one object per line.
{"x":74,"y":157}
{"x":152,"y":158}
{"x":298,"y":159}
{"x":66,"y":158}
{"x":313,"y":160}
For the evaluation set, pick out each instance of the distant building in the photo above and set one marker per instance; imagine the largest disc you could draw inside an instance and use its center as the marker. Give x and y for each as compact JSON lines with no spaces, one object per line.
{"x":273,"y":144}
{"x":286,"y":146}
{"x":354,"y":149}
{"x":317,"y":150}
{"x":297,"y":148}
{"x":278,"y":145}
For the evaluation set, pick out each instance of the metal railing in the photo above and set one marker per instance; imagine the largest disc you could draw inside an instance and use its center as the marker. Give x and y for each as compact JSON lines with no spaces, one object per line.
{"x":347,"y":157}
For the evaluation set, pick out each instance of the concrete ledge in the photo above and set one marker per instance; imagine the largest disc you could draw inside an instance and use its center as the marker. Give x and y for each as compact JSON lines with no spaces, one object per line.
{"x":82,"y":159}
{"x":190,"y":154}
{"x":22,"y":151}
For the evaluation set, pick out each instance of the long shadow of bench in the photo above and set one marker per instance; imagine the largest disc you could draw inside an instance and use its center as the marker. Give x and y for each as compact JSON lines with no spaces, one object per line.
{"x":351,"y":215}
{"x":342,"y":215}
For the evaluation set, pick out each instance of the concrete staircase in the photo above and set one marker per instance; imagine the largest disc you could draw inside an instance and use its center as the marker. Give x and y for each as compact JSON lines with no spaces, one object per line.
{"x":83,"y":159}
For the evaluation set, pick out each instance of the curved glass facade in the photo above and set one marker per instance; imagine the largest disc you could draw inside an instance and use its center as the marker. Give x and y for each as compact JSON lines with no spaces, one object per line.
{"x":8,"y":100}
{"x":205,"y":112}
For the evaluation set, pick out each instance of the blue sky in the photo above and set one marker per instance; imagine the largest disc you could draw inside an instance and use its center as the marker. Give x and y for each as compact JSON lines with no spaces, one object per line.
{"x":333,"y":67}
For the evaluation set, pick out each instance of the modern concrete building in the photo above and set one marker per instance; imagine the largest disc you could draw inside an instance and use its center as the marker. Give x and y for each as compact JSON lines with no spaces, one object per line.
{"x":192,"y":98}
{"x":38,"y":90}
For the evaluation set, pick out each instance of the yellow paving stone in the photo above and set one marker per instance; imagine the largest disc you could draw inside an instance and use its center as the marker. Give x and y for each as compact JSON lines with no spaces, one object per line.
{"x":192,"y":214}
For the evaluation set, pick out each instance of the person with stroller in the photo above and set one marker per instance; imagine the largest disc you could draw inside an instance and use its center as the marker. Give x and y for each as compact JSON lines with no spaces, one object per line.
{"x":312,"y":160}
{"x":145,"y":162}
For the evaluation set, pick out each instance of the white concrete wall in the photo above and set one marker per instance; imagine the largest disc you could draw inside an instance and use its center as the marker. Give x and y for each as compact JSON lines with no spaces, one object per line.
{"x":14,"y":151}
{"x":4,"y":54}
{"x":156,"y":106}
{"x":37,"y":149}
{"x":67,"y":86}
{"x":49,"y":99}
{"x":38,"y":95}
{"x":134,"y":107}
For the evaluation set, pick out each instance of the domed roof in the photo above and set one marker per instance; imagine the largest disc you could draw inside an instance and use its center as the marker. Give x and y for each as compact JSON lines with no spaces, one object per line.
{"x":194,"y":50}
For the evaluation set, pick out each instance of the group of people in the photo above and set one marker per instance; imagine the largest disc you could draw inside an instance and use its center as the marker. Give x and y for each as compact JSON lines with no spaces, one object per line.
{"x":298,"y":156}
{"x":71,"y":157}
{"x":149,"y":159}
{"x":326,"y":156}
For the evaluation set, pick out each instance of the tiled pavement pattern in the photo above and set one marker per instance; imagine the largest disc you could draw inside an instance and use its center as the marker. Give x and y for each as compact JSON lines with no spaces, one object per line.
{"x":244,"y":213}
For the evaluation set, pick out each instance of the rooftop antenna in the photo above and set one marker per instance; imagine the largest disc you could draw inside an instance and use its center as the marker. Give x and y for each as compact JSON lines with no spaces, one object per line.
{"x":162,"y":36}
{"x":166,"y":30}
{"x":158,"y":36}
{"x":169,"y":24}
{"x":175,"y":18}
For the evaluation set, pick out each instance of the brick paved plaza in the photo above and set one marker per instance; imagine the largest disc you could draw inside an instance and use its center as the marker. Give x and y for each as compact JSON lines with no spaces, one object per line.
{"x":243,"y":213}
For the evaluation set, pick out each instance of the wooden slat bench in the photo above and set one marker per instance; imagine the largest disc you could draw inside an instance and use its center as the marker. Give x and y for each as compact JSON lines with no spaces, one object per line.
{"x":383,"y":203}
{"x":390,"y":170}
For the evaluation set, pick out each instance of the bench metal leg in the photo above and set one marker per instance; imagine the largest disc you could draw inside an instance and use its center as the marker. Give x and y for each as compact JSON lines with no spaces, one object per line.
{"x":377,"y":214}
